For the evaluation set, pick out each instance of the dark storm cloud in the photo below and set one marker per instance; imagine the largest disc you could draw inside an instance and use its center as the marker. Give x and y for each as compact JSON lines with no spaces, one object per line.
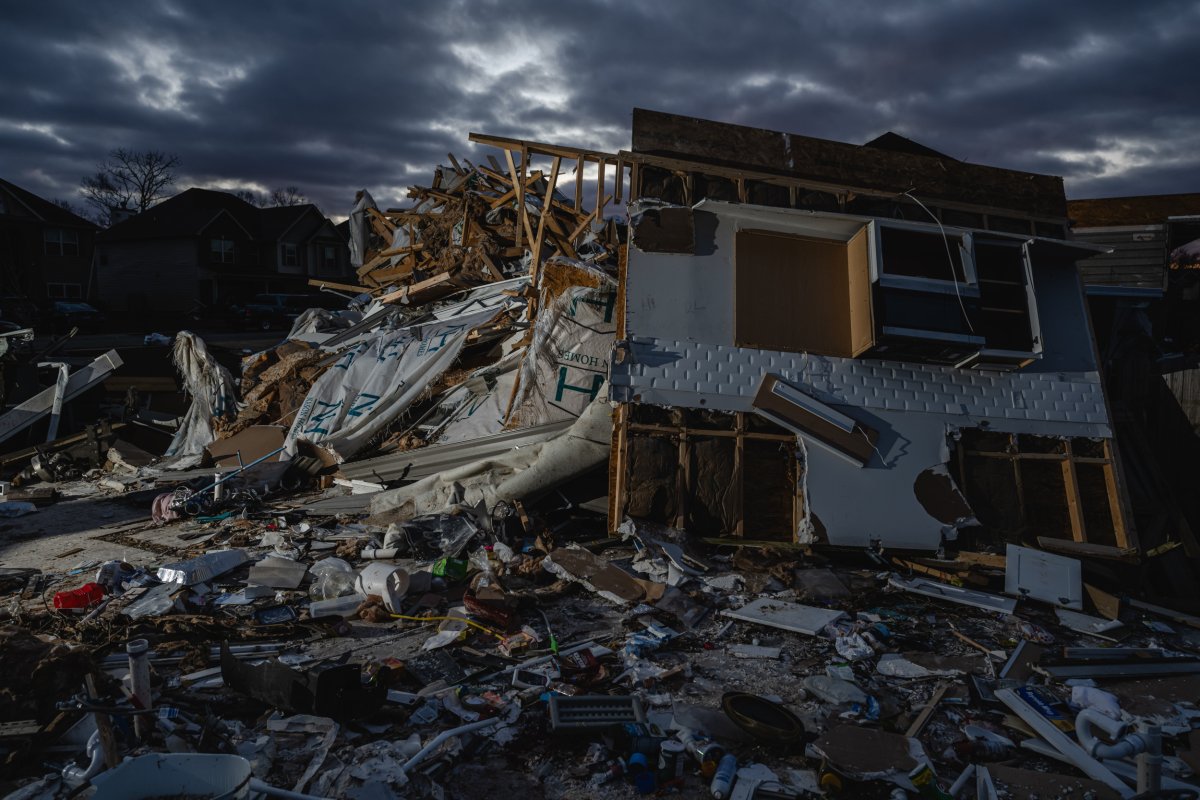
{"x":332,"y":97}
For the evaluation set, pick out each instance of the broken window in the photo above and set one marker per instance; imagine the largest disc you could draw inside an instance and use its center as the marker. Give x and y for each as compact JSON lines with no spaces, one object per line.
{"x":1061,"y":492}
{"x":710,"y":473}
{"x":802,"y":294}
{"x":1007,"y":306}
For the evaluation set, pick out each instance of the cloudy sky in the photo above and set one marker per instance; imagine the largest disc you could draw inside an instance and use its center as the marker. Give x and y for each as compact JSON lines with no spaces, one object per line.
{"x":335,"y":96}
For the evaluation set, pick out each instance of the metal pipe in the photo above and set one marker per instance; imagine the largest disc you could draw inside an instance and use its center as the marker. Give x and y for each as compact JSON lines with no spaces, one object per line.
{"x":139,"y":685}
{"x":443,"y":736}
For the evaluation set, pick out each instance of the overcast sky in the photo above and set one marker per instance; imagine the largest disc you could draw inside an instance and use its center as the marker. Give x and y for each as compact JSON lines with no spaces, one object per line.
{"x":336,"y":96}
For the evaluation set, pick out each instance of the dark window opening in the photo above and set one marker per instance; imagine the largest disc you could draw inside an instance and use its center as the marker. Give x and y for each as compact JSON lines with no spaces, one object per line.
{"x":918,"y":254}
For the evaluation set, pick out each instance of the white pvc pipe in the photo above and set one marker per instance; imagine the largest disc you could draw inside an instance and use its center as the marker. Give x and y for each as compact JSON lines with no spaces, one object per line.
{"x":76,"y":775}
{"x":443,"y":736}
{"x":1128,"y":746}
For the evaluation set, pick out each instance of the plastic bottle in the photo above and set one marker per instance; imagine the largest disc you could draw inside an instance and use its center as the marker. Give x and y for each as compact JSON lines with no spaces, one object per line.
{"x":85,"y":596}
{"x":722,"y":781}
{"x":336,"y":607}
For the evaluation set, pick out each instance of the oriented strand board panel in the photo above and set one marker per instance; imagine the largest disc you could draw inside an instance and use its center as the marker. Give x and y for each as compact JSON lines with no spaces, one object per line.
{"x":791,"y":293}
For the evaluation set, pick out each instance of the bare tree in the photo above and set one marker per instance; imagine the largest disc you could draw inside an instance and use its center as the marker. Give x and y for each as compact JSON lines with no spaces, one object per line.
{"x":288,"y":196}
{"x":130,"y":179}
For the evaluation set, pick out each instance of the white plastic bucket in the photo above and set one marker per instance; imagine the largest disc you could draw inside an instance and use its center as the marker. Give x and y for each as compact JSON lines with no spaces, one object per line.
{"x":386,"y":580}
{"x":215,"y":777}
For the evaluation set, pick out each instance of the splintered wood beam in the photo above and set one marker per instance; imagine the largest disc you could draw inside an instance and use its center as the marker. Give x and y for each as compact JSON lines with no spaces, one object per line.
{"x":495,"y":164}
{"x":518,"y":183}
{"x":619,"y":180}
{"x":341,"y":287}
{"x":533,"y":178}
{"x":490,"y":265}
{"x":547,"y":211}
{"x":583,"y":223}
{"x":454,"y":161}
{"x":377,"y":216}
{"x":600,"y":186}
{"x":578,"y":184}
{"x":408,"y":248}
{"x":1074,"y":503}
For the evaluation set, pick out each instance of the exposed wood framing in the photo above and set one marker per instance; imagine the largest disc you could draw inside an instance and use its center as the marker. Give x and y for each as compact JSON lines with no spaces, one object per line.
{"x":1069,"y":463}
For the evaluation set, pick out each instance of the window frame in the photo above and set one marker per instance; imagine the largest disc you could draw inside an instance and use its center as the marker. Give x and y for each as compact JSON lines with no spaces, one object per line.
{"x":219,"y":248}
{"x":289,"y":255}
{"x":58,"y":239}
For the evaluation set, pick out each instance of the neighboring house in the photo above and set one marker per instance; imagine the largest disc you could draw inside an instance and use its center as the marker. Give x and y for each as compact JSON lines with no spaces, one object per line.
{"x":45,"y":253}
{"x":855,"y":345}
{"x":204,"y":248}
{"x":1144,"y":232}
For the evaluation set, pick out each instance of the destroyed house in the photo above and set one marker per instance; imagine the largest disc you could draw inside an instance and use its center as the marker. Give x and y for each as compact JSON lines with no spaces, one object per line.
{"x":854,"y":346}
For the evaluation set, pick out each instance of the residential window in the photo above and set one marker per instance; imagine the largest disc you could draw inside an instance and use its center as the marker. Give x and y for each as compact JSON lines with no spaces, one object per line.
{"x":64,"y":291}
{"x":59,"y":242}
{"x":222,"y":251}
{"x":329,"y":259}
{"x":291,"y":255}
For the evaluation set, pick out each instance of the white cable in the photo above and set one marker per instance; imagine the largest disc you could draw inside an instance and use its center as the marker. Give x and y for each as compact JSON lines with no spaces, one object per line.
{"x":949,"y":257}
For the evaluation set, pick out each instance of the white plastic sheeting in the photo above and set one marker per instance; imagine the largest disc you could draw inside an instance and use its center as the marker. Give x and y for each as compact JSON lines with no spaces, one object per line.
{"x":213,"y":392}
{"x":376,"y":380}
{"x":358,"y":227}
{"x":566,"y":365}
{"x":519,"y":473}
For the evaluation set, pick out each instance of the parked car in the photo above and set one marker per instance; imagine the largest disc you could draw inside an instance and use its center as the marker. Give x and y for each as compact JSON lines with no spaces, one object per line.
{"x":67,"y":314}
{"x":270,"y":311}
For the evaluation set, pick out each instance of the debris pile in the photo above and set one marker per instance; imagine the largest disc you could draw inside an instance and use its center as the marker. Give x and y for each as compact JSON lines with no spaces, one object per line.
{"x":534,"y":514}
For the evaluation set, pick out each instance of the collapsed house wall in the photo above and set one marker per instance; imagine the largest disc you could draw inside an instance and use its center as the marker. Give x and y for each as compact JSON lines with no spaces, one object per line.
{"x":681,"y":350}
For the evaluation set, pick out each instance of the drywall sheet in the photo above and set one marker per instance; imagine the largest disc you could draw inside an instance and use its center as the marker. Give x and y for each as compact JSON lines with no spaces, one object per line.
{"x":786,"y":616}
{"x":1043,"y":576}
{"x":376,"y":380}
{"x":566,"y":365}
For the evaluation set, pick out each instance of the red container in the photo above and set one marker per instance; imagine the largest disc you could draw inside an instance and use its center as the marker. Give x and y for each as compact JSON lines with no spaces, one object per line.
{"x":85,"y":596}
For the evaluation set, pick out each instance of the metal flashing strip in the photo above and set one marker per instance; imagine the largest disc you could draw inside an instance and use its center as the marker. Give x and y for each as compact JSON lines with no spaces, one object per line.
{"x":41,"y":404}
{"x":412,"y":465}
{"x":1133,"y":669}
{"x":955,"y":594}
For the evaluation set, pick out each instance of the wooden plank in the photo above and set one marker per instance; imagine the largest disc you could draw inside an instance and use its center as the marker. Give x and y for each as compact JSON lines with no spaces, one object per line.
{"x":547,"y":211}
{"x":1115,"y":506}
{"x":573,"y":235}
{"x":398,"y":251}
{"x":619,"y":181}
{"x":617,"y":477}
{"x":683,"y":481}
{"x":534,"y":177}
{"x":644,"y":427}
{"x":923,"y":718}
{"x":108,"y":742}
{"x":341,"y":287}
{"x":579,"y":162}
{"x":993,"y":560}
{"x":1073,"y":548}
{"x":600,"y":188}
{"x":538,"y":148}
{"x":1074,"y":503}
{"x":518,"y":181}
{"x":454,"y":162}
{"x":738,"y":477}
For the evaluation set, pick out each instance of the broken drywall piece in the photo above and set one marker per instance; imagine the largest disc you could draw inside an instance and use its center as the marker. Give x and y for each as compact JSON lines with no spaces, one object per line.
{"x":1092,"y":626}
{"x":754,"y":651}
{"x":1039,"y":575}
{"x":580,"y":566}
{"x":940,"y":497}
{"x":955,"y":594}
{"x":786,"y":616}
